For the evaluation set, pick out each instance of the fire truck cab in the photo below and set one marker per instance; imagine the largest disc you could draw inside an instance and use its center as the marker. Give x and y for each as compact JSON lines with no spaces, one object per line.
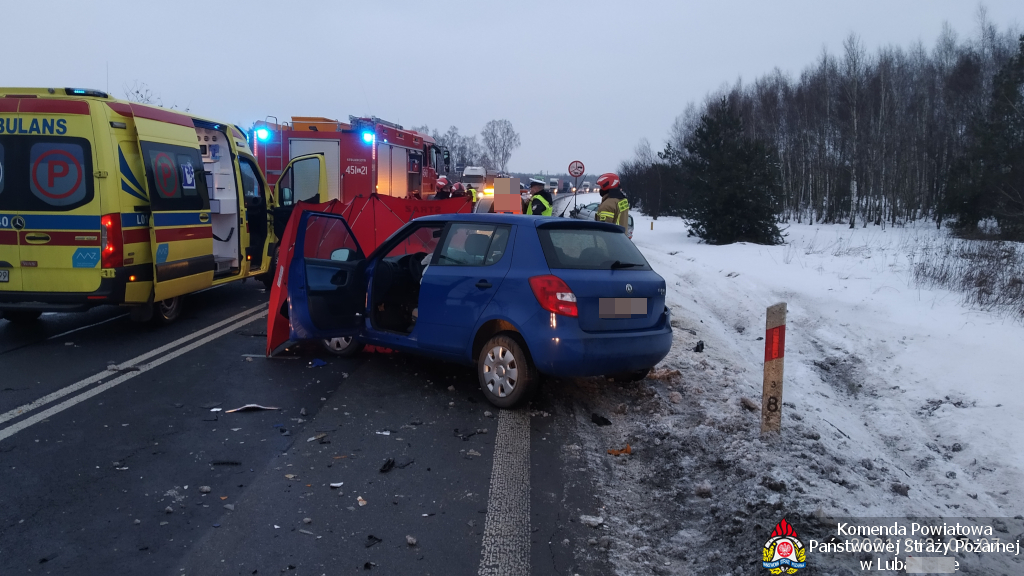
{"x":362,"y":156}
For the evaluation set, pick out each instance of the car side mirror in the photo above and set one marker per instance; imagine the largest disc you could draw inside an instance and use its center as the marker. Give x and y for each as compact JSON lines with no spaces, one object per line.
{"x":341,"y":255}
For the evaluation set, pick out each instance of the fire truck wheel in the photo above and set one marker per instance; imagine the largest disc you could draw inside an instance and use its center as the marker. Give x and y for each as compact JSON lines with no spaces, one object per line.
{"x":343,"y":346}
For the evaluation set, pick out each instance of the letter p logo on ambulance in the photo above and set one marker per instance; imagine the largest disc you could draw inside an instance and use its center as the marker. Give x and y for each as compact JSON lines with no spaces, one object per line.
{"x":784,"y":553}
{"x":57,"y":173}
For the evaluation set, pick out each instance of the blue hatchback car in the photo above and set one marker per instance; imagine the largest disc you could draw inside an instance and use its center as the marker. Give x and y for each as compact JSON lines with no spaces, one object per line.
{"x":516,"y":296}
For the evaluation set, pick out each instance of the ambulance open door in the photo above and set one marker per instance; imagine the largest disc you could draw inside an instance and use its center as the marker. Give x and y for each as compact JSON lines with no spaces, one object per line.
{"x":181,"y":233}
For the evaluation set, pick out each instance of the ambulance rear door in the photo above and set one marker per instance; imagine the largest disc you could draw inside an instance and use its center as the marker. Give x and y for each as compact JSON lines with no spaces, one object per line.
{"x":181,"y":232}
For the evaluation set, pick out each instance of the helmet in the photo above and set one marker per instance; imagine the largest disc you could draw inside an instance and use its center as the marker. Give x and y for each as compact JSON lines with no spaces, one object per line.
{"x":607,"y":181}
{"x":536,"y":182}
{"x":442,"y":182}
{"x":457,"y":186}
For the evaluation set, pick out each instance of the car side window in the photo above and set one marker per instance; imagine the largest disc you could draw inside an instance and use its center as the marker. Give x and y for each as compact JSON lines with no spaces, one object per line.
{"x":422,"y":239}
{"x":469,"y":244}
{"x":328,"y":238}
{"x":252,"y":188}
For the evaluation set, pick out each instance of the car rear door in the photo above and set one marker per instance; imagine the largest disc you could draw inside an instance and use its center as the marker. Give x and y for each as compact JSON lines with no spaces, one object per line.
{"x":326,"y":279}
{"x":615,"y":287}
{"x":462,"y":279}
{"x":181,"y":232}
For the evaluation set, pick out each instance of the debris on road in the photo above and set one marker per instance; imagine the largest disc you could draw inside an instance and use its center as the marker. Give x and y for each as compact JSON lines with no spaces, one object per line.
{"x":319,"y":436}
{"x":211,"y":404}
{"x":600,"y":420}
{"x":473,"y":453}
{"x":306,"y":532}
{"x":699,"y":347}
{"x":302,"y":411}
{"x":451,"y":388}
{"x":372,"y":540}
{"x":284,"y":432}
{"x":307,"y":520}
{"x":627,"y":450}
{"x":675,"y":397}
{"x":404,"y":464}
{"x":137,"y":522}
{"x":169,"y":510}
{"x":384,"y":432}
{"x":592,"y":521}
{"x":464,"y":435}
{"x":410,"y":540}
{"x":290,"y":476}
{"x":387,"y":466}
{"x":487,"y":413}
{"x":229,"y":507}
{"x":749,"y":404}
{"x":251,"y":407}
{"x":316,"y":363}
{"x":369,"y":565}
{"x":337,"y":484}
{"x":360,"y":500}
{"x":215,"y":409}
{"x":204,"y":489}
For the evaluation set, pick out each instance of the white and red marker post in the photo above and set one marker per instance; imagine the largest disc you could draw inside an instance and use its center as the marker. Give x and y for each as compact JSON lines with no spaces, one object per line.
{"x":774,"y":353}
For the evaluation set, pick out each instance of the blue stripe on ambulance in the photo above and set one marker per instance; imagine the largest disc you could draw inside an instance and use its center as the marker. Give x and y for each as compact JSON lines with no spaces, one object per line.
{"x":134,"y":220}
{"x":54,"y":221}
{"x":176,"y":219}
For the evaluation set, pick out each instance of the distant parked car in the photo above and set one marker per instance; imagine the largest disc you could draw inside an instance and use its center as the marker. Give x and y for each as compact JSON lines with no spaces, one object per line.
{"x":589,"y":212}
{"x":518,"y":297}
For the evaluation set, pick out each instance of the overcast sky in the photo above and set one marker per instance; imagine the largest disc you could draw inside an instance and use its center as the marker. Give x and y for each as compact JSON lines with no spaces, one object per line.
{"x":578,"y":80}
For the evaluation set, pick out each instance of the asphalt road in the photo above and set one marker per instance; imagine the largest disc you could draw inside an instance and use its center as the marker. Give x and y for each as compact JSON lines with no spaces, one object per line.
{"x":113,"y":455}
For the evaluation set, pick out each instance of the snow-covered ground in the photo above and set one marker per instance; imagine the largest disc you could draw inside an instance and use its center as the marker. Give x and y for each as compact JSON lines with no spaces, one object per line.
{"x":888,"y":386}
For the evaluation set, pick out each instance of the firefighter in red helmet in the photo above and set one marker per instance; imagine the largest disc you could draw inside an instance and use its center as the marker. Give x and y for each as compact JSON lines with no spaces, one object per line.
{"x":444,"y":189}
{"x":614,"y":207}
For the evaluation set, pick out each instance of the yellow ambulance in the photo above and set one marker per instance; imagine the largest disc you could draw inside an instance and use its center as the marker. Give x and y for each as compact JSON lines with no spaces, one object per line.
{"x":104,"y":201}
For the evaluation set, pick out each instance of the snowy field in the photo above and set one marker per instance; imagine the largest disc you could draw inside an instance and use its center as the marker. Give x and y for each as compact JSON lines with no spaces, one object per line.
{"x":898,"y":401}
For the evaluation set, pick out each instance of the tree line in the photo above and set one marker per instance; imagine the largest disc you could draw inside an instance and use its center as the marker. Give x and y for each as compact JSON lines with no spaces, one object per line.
{"x":885,"y":138}
{"x":498,"y":140}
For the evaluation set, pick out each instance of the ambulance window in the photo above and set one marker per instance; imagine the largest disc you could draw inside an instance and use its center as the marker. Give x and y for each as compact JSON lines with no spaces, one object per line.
{"x":175,"y":177}
{"x":300,"y":182}
{"x":45,"y":173}
{"x":251,"y":187}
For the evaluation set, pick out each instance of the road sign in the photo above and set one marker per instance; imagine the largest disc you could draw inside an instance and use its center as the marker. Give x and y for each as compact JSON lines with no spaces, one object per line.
{"x":576,"y":169}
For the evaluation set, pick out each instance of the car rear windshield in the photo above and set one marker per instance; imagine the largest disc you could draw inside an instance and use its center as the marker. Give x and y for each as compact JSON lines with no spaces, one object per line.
{"x":45,"y":173}
{"x":590,"y":249}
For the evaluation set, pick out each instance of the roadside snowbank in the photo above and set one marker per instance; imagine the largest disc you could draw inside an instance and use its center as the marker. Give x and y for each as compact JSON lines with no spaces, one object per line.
{"x":888,"y":387}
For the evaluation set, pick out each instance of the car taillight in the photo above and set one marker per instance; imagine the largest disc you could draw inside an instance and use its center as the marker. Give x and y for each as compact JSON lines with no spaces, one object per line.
{"x":111,"y":241}
{"x":554,"y":295}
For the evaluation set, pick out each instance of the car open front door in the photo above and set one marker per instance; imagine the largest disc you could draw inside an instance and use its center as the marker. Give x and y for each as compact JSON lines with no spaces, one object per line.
{"x":181,"y":233}
{"x":326,"y":279}
{"x":304,"y":179}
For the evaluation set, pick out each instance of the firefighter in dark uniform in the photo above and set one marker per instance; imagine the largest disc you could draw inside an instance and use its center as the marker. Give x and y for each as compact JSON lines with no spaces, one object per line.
{"x":444,"y":190}
{"x":541,"y":201}
{"x":614,"y":207}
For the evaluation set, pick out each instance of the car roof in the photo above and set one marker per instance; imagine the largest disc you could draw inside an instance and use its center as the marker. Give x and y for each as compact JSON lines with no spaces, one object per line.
{"x":520,"y":220}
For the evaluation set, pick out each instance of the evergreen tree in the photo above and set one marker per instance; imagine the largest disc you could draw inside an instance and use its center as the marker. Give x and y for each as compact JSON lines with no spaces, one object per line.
{"x":732,"y":186}
{"x":989,"y":181}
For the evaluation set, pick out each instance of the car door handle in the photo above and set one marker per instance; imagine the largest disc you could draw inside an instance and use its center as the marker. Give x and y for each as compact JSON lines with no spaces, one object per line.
{"x":37,"y":238}
{"x":483,"y":284}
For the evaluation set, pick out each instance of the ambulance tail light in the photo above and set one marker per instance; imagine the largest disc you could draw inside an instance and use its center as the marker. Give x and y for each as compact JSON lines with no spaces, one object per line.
{"x":111,"y":241}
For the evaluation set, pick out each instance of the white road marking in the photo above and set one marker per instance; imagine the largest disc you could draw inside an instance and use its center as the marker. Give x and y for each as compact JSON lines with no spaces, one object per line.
{"x":55,"y":336}
{"x":37,"y":418}
{"x":12,"y":414}
{"x":506,"y":543}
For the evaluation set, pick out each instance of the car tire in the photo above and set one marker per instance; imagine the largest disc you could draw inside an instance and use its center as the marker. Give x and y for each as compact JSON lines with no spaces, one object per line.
{"x":342,"y":347}
{"x":169,"y":310}
{"x":506,"y":371}
{"x":634,"y":376}
{"x":22,"y":316}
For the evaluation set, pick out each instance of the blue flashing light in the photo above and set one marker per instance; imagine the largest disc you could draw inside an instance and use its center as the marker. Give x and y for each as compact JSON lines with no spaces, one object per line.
{"x":367,"y":137}
{"x":262,"y":134}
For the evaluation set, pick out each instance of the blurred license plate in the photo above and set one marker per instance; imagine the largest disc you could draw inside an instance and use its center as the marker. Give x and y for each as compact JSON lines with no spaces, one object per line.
{"x":622,"y":307}
{"x":5,"y":275}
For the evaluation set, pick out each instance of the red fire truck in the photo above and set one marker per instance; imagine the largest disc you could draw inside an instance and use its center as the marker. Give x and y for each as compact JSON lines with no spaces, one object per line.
{"x":362,"y":156}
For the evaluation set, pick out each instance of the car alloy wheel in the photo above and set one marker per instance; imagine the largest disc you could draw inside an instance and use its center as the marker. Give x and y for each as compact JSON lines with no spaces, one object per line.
{"x":501,"y":371}
{"x":344,"y":346}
